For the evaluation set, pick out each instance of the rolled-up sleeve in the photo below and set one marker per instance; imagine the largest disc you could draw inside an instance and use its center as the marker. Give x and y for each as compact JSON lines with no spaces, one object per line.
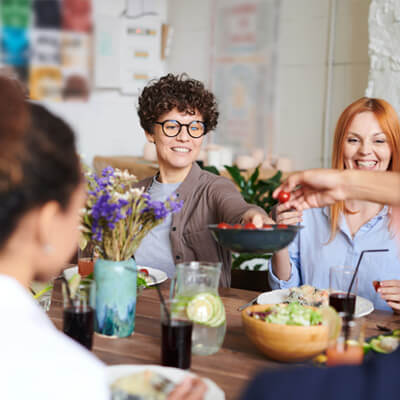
{"x":295,"y":275}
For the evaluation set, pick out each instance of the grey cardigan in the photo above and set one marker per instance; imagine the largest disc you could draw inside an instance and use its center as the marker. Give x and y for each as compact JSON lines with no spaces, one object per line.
{"x":207,"y":199}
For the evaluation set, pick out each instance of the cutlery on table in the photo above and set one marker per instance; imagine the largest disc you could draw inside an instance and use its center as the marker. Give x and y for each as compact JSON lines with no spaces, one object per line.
{"x":250,"y":303}
{"x":383,"y":328}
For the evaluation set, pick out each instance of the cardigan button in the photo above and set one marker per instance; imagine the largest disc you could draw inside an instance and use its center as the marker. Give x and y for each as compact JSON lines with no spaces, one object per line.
{"x":178,"y":257}
{"x":174,"y":228}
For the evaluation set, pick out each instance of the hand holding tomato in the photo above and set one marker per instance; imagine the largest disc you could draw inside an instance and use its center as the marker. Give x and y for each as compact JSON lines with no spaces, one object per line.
{"x":283,"y":196}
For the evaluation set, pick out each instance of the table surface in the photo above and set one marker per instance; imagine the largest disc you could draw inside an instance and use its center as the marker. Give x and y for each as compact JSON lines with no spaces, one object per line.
{"x":231,"y":368}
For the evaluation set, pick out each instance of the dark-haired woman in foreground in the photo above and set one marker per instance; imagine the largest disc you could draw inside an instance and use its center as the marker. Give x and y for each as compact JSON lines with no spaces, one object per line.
{"x":175,"y":113}
{"x":41,"y":193}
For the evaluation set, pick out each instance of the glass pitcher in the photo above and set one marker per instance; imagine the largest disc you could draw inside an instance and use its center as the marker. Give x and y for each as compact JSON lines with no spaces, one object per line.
{"x":196,"y":286}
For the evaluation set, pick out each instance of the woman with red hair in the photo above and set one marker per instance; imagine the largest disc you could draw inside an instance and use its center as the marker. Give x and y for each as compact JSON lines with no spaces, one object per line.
{"x":367,"y":137}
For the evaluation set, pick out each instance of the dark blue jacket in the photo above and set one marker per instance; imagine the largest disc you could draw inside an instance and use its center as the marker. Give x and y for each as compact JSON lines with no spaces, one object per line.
{"x":377,"y":378}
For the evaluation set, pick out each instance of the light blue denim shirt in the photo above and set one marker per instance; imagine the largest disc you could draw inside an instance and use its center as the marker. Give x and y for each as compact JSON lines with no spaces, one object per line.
{"x":311,"y":255}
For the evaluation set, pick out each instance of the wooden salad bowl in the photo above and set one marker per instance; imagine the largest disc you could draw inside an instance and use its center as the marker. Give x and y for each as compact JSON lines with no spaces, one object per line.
{"x":287,"y":343}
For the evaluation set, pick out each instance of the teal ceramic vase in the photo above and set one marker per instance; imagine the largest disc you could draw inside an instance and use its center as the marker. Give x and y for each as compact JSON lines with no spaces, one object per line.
{"x":115,"y":297}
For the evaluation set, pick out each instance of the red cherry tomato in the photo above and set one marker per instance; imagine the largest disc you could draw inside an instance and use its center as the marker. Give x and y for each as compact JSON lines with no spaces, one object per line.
{"x":250,"y":225}
{"x":282,"y":226}
{"x":267,"y":226}
{"x":223,"y":225}
{"x":237,"y":226}
{"x":377,"y":285}
{"x":144,"y":271}
{"x":283,"y":197}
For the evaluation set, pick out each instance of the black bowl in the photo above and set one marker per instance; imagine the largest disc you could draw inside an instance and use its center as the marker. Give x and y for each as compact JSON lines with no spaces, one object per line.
{"x":259,"y":241}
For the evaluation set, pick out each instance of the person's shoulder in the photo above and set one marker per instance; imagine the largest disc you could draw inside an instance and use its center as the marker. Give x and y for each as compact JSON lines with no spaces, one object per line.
{"x":211,"y":178}
{"x":46,"y":357}
{"x":52,"y":343}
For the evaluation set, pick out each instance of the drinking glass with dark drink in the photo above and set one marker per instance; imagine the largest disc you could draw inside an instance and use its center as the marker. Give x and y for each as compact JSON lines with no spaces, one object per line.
{"x":79,"y":305}
{"x":176,"y":335}
{"x":339,"y":282}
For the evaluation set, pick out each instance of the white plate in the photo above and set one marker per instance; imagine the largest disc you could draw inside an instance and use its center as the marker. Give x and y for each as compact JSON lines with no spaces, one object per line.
{"x":174,"y":374}
{"x":363,"y":306}
{"x":160,"y":276}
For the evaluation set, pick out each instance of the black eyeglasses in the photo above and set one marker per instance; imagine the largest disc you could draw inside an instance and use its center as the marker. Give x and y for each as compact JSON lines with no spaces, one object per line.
{"x":172,"y":128}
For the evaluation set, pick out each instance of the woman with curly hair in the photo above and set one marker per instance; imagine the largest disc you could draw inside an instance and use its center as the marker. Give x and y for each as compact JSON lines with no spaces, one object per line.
{"x":175,"y":113}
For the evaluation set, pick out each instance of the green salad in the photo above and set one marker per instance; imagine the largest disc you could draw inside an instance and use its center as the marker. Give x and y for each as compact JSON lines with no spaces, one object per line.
{"x":290,"y":314}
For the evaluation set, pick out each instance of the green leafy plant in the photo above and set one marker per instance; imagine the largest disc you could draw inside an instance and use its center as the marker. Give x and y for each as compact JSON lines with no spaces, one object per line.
{"x":254,"y":190}
{"x":239,"y":259}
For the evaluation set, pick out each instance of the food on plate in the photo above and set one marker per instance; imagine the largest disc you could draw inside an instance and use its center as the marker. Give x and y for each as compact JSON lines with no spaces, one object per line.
{"x":144,"y":279}
{"x":308,"y":295}
{"x":144,"y":385}
{"x":289,"y":314}
{"x":385,"y":343}
{"x":283,"y":196}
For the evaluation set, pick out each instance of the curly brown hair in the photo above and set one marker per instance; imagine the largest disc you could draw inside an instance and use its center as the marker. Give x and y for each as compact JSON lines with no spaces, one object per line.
{"x":180,"y":92}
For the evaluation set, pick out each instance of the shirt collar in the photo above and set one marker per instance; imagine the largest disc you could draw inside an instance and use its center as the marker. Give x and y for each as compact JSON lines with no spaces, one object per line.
{"x":187,"y":185}
{"x":382,"y":213}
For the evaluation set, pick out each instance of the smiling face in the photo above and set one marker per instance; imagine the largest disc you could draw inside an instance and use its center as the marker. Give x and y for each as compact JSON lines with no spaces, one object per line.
{"x":176,"y":154}
{"x":366,"y":146}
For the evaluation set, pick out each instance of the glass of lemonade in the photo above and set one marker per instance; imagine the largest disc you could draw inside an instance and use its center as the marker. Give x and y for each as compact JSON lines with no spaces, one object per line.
{"x":195,"y":287}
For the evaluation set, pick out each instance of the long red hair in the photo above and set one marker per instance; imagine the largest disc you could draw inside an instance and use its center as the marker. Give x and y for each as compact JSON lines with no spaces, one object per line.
{"x":390,"y":125}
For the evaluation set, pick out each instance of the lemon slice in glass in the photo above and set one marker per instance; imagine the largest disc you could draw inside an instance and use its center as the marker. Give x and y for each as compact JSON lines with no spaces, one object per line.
{"x":206,"y":309}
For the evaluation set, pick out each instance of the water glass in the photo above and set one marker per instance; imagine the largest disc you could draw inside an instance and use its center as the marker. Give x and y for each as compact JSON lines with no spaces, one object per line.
{"x":347,"y":352}
{"x":42,"y":293}
{"x":45,"y":300}
{"x":339,"y":282}
{"x":79,"y":305}
{"x":176,"y":335}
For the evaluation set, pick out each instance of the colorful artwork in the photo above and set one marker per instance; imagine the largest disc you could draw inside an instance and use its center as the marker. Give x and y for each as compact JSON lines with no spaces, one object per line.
{"x":48,"y":43}
{"x":244,"y":70}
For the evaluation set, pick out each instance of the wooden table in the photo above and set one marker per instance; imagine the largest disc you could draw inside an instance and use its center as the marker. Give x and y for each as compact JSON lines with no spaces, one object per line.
{"x":231,"y":368}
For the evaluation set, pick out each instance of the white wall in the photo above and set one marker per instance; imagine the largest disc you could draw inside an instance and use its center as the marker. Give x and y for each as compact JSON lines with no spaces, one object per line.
{"x":303,"y":52}
{"x":108,"y":123}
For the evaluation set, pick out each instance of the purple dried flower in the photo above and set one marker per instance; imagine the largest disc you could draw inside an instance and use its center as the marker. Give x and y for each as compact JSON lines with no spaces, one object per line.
{"x":108,"y":171}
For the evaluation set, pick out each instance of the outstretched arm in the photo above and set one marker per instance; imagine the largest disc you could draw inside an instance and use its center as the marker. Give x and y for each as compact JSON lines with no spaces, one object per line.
{"x":322,"y":187}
